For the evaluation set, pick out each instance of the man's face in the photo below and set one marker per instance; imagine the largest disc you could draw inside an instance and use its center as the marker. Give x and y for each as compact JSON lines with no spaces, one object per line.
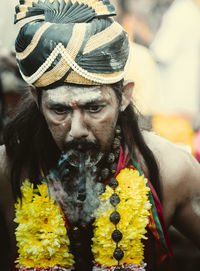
{"x":81,"y":114}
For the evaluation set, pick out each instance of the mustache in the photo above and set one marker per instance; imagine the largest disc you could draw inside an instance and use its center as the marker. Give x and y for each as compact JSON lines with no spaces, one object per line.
{"x":82,"y":145}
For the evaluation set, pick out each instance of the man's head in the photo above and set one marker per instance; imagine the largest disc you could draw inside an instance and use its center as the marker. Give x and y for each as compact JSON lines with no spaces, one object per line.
{"x":74,"y":42}
{"x":83,"y":118}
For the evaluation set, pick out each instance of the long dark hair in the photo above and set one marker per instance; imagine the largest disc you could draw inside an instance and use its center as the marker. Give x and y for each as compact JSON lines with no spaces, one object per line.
{"x":30,"y":146}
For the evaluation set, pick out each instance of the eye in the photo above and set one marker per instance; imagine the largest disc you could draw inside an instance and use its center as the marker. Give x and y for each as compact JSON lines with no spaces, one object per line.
{"x":60,"y":110}
{"x":94,"y":108}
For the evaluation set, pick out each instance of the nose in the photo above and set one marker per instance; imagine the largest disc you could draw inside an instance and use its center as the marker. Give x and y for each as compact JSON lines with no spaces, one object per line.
{"x":78,"y":127}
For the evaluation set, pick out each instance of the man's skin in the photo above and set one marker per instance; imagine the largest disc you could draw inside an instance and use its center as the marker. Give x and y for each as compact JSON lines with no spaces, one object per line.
{"x":70,"y":115}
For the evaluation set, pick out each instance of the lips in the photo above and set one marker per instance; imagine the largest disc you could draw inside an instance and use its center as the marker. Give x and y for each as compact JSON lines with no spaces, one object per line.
{"x":91,"y":157}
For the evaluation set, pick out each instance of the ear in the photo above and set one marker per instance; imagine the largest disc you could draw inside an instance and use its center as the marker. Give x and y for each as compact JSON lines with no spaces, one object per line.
{"x":127,"y":94}
{"x":34,"y":94}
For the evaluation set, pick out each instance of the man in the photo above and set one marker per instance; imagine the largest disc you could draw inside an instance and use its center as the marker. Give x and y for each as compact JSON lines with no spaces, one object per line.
{"x":74,"y":156}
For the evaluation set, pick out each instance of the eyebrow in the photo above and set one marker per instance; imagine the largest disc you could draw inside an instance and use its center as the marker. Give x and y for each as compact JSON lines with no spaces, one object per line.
{"x":54,"y":103}
{"x":59,"y":104}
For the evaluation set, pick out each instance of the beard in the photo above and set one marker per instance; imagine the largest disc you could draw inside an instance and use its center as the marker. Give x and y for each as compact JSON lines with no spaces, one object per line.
{"x":76,"y":190}
{"x":83,"y":151}
{"x":74,"y":183}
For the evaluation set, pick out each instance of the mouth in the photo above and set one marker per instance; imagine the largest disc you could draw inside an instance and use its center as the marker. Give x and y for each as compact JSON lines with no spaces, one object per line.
{"x":77,"y":151}
{"x":90,"y":157}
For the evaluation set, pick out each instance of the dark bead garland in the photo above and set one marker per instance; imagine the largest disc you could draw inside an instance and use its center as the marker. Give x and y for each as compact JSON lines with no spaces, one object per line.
{"x":113,"y":183}
{"x":118,"y":254}
{"x":117,"y":152}
{"x":113,"y":168}
{"x":116,"y":143}
{"x":117,"y":236}
{"x":114,"y":199}
{"x":112,"y":157}
{"x":115,"y":218}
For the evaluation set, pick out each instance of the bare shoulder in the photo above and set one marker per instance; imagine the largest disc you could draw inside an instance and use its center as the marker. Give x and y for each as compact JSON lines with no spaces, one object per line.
{"x":173,"y":158}
{"x":178,"y":168}
{"x":180,"y":181}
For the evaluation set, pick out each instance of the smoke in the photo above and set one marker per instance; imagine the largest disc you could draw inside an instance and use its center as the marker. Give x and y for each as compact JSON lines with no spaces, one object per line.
{"x":76,"y":188}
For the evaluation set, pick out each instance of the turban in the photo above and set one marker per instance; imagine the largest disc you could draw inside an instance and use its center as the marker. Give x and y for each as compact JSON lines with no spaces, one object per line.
{"x":70,"y":41}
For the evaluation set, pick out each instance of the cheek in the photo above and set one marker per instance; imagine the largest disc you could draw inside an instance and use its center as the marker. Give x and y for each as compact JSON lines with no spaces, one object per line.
{"x":104,"y":129}
{"x":58,"y":129}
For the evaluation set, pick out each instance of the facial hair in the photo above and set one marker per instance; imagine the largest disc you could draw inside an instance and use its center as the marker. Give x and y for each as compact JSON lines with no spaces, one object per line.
{"x":91,"y":150}
{"x":77,"y":195}
{"x":74,"y":182}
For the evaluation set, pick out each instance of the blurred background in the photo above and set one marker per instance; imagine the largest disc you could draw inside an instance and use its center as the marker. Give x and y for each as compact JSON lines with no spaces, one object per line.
{"x":165,"y":65}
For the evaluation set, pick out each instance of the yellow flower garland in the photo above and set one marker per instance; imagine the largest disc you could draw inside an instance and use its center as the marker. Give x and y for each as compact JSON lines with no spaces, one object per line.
{"x":134,"y":211}
{"x":42,"y":236}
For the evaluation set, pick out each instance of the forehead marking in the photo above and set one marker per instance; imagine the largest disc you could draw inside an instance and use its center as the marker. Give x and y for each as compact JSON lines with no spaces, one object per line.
{"x":74,"y":96}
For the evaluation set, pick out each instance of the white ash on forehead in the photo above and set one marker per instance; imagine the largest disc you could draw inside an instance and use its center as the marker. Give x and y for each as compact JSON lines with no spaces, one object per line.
{"x":81,"y":95}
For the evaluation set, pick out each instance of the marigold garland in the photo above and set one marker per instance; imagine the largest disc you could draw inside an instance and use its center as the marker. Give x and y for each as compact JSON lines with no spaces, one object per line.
{"x":42,"y":236}
{"x":134,"y":211}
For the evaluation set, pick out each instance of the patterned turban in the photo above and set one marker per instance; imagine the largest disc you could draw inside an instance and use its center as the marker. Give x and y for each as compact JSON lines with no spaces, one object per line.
{"x":70,"y":41}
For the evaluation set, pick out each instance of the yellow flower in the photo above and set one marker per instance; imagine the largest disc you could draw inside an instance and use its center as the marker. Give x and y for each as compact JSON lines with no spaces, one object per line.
{"x":134,"y":211}
{"x":41,"y":234}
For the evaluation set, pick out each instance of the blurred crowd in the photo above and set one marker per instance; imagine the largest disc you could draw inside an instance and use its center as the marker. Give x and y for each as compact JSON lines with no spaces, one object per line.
{"x":165,"y":65}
